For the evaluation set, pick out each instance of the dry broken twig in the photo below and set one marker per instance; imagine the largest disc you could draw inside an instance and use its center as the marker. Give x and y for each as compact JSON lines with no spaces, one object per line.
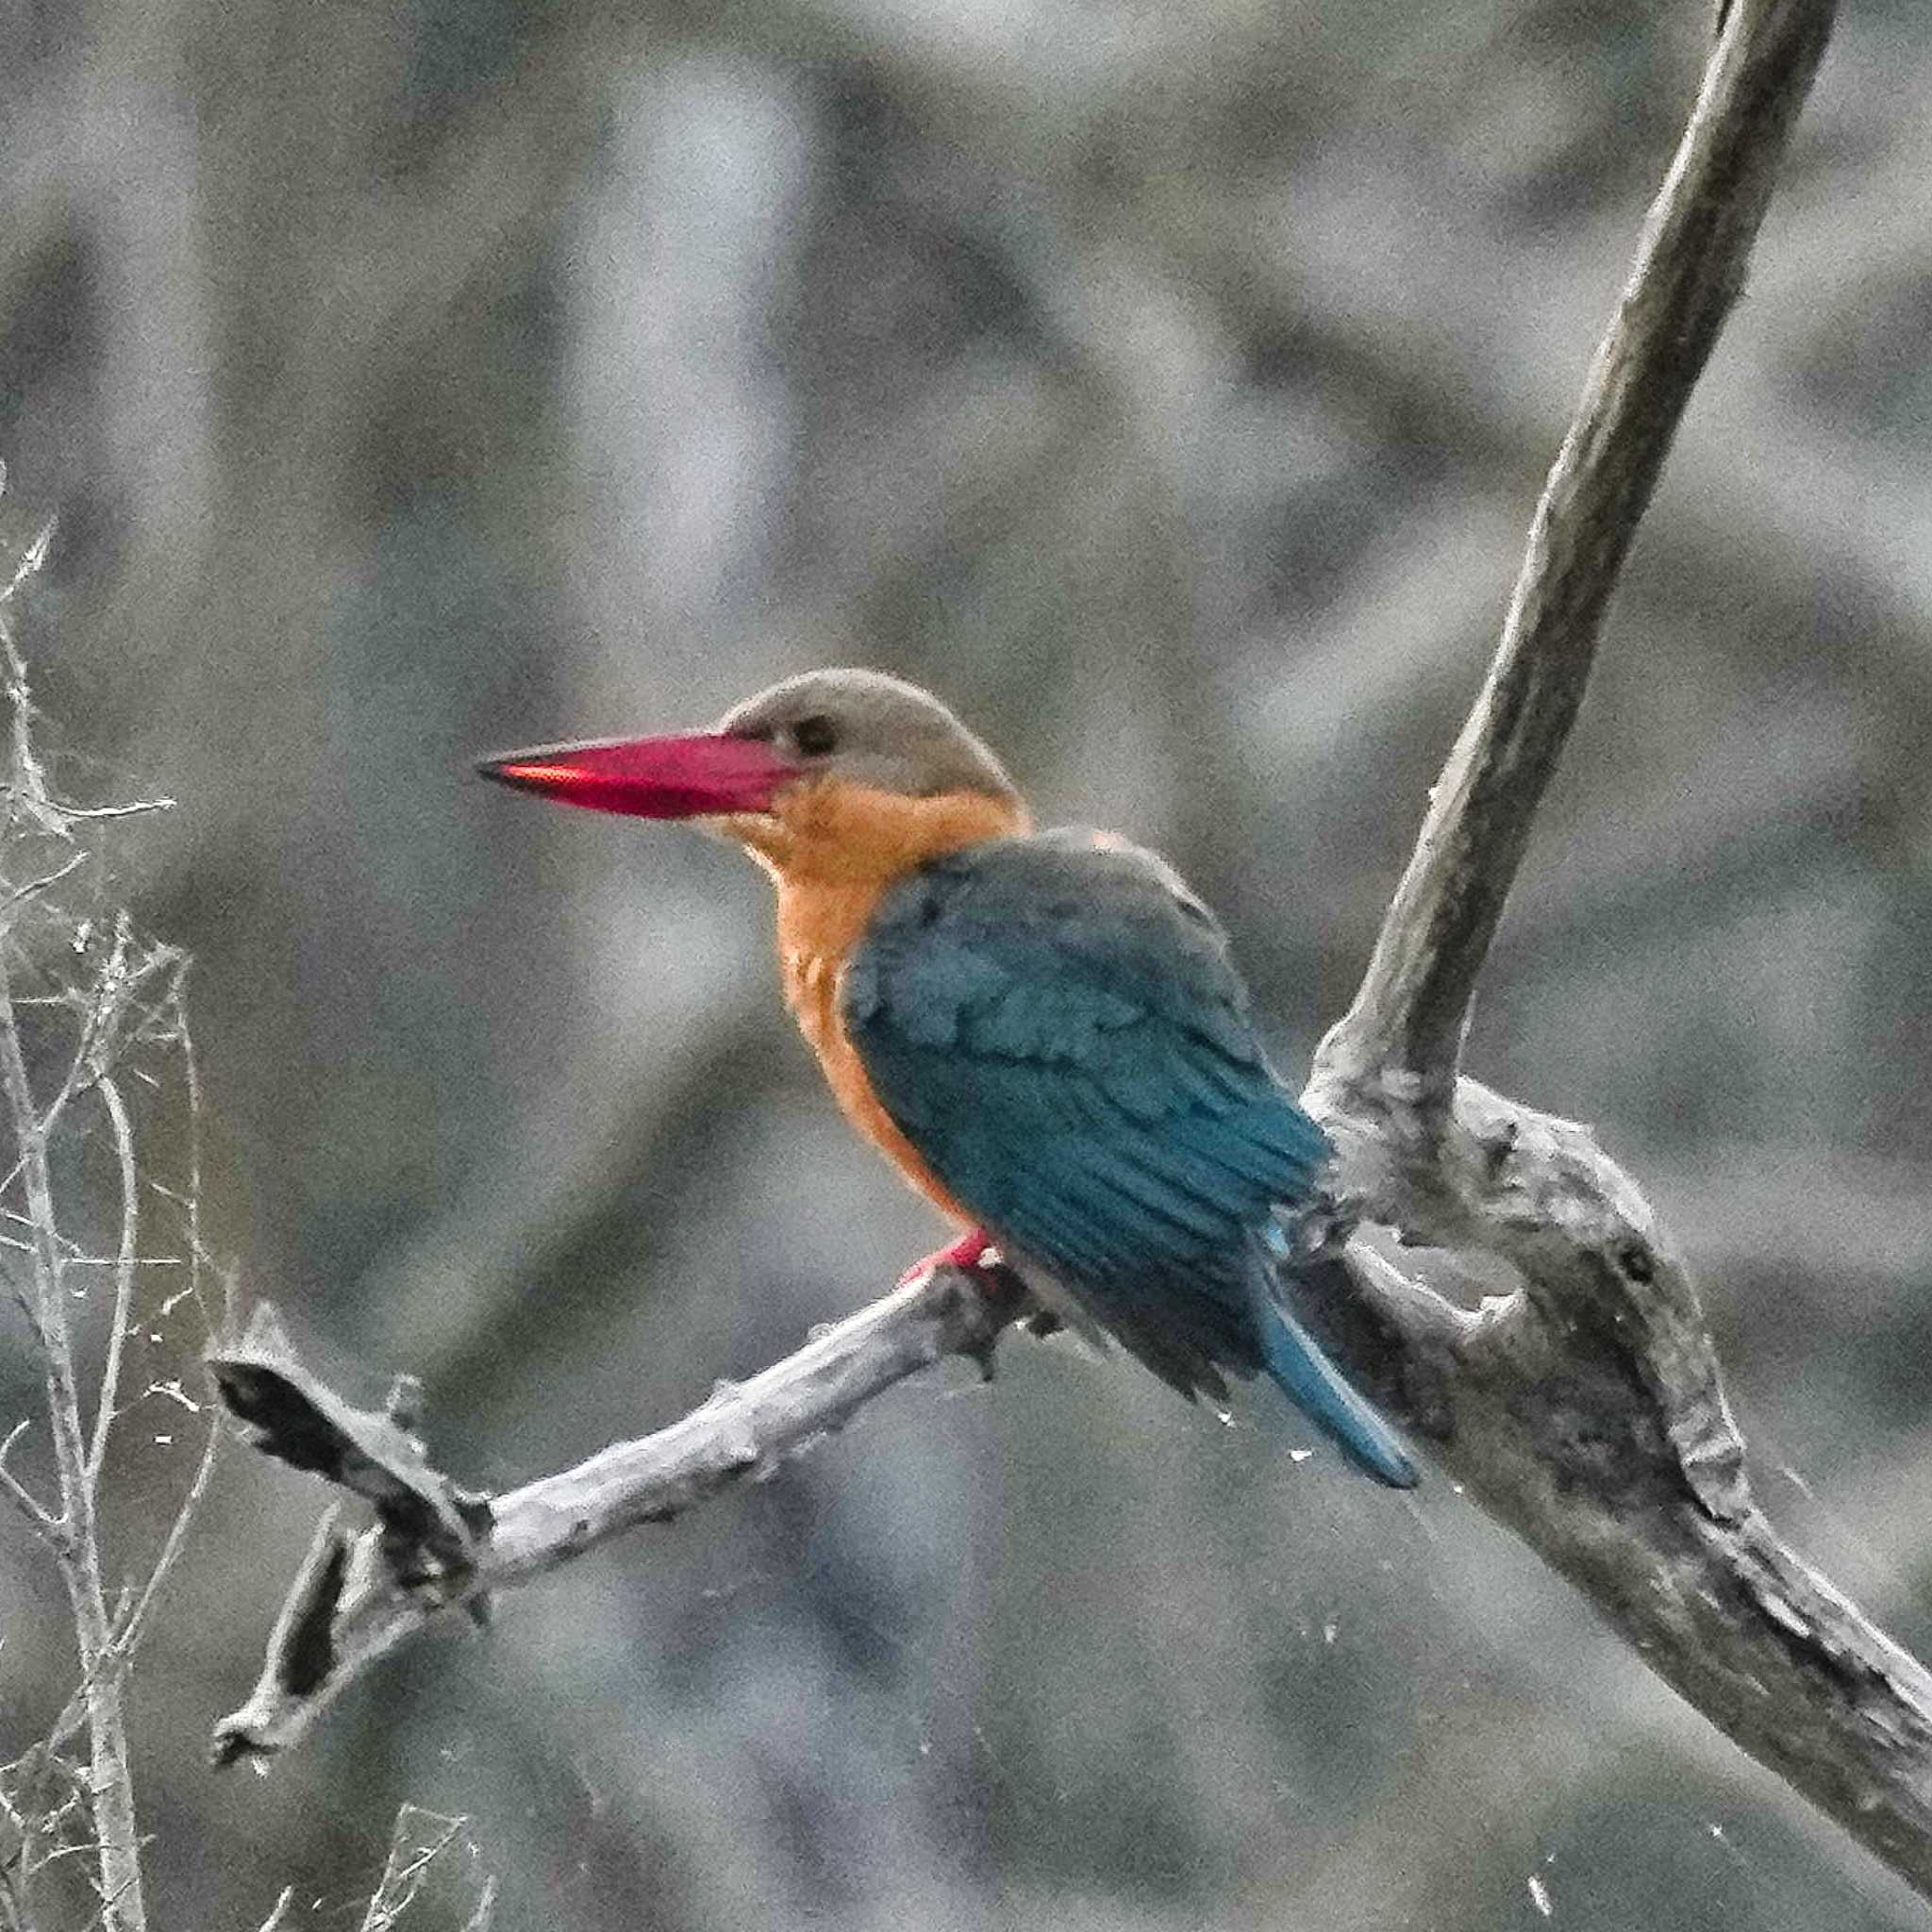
{"x":361,"y":1593}
{"x":1585,"y":1410}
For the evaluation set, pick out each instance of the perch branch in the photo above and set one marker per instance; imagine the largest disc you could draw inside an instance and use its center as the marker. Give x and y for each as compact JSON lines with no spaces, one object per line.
{"x":360,"y":1594}
{"x":1585,"y":1410}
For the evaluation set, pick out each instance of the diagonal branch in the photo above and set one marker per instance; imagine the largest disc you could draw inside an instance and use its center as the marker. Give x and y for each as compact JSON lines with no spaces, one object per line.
{"x":1586,"y":1409}
{"x":1410,"y":1014}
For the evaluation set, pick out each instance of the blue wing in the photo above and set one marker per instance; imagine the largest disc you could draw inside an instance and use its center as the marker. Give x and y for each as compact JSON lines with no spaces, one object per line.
{"x":1055,"y":1025}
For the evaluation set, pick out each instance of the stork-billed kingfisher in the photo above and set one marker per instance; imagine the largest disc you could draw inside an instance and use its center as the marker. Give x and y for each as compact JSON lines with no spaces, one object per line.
{"x":1042,"y":1031}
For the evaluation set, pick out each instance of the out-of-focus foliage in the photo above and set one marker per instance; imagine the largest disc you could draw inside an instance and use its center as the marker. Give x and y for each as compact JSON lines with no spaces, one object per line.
{"x":1169,"y":386}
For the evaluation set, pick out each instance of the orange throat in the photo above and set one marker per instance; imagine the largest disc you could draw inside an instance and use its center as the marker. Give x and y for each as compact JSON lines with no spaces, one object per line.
{"x":833,"y":848}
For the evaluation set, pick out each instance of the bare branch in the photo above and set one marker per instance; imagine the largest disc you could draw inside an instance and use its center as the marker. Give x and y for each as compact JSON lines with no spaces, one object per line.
{"x":358,"y":1598}
{"x":1409,"y":1017}
{"x":34,"y":887}
{"x":134,"y":808}
{"x":1586,"y":1409}
{"x":32,"y":560}
{"x":419,"y":1839}
{"x":1586,"y":1412}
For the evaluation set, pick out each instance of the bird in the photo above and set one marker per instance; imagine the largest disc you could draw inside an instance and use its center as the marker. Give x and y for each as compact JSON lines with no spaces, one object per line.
{"x":1042,"y":1030}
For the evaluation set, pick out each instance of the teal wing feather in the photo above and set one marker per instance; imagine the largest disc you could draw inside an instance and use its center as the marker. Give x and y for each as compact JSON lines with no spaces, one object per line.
{"x":1055,"y":1027}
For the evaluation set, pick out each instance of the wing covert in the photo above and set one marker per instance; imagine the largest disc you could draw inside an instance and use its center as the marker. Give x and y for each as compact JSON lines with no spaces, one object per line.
{"x":1054,"y":1023}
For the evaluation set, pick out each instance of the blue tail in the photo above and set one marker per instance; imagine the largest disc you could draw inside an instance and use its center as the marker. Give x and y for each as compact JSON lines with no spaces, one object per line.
{"x":1309,"y":1381}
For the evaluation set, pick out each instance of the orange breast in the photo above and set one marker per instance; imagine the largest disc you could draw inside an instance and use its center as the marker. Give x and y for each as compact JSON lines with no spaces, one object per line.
{"x":834,"y":848}
{"x":811,"y":990}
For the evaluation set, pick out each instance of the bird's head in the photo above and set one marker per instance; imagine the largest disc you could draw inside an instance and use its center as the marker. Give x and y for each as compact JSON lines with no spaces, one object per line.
{"x":834,"y":771}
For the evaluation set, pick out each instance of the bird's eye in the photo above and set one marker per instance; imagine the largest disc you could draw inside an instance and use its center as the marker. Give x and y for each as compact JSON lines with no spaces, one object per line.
{"x":815,"y":738}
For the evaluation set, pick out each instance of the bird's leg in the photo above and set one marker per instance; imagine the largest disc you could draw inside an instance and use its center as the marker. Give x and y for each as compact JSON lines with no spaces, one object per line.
{"x":978,"y":1250}
{"x":969,"y":1251}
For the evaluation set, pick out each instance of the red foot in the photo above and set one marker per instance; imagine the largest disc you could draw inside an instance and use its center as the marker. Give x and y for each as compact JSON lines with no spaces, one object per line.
{"x":969,"y":1251}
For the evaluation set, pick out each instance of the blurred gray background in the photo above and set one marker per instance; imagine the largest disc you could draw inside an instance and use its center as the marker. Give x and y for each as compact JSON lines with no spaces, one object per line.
{"x":1170,"y":388}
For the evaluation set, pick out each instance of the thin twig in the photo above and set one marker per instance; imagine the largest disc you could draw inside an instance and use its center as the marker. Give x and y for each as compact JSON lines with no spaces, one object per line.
{"x":188,"y":1202}
{"x":31,"y":560}
{"x":122,"y":1906}
{"x":408,"y":1865}
{"x":40,"y":1519}
{"x":278,"y":1919}
{"x":102,"y":1033}
{"x":33,"y":889}
{"x":133,"y":809}
{"x":76,"y":1547}
{"x":132,"y":1627}
{"x":123,"y":1274}
{"x":479,"y":1920}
